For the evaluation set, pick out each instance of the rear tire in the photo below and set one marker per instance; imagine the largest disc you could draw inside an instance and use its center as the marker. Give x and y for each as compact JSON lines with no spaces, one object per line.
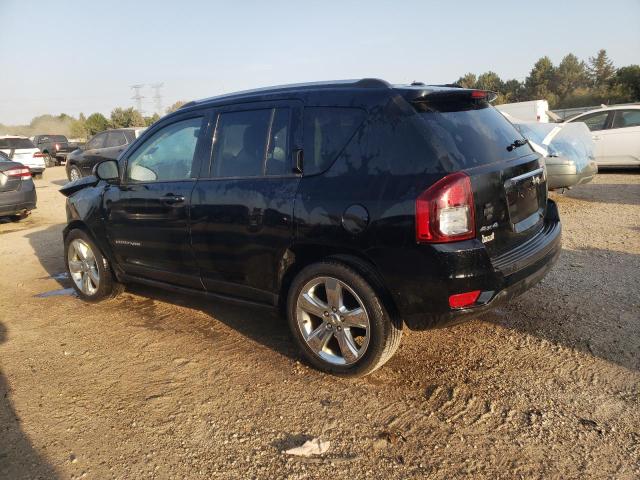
{"x":88,"y":269}
{"x":339,"y":321}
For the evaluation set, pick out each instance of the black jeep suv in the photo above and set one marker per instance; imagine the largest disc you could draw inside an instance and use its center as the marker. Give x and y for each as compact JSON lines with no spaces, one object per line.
{"x":356,"y":206}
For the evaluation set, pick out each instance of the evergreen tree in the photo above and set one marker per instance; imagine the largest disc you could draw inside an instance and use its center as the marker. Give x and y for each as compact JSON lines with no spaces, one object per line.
{"x":601,"y":70}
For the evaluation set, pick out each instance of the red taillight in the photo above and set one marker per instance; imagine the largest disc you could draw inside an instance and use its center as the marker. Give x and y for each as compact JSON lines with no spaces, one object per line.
{"x":461,"y":300}
{"x":445,"y":212}
{"x":479,"y":94}
{"x":38,"y":155}
{"x":21,"y":172}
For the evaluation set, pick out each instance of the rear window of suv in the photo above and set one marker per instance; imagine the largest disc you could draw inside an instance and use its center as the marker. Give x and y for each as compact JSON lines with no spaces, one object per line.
{"x":326,"y":132}
{"x":15,"y":143}
{"x":466,"y":135}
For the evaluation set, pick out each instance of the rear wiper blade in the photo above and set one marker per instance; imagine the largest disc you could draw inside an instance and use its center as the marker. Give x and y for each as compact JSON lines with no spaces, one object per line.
{"x":517,"y":143}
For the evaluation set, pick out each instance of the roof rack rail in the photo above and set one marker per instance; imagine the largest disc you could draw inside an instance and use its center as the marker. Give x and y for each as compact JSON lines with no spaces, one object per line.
{"x":372,"y":83}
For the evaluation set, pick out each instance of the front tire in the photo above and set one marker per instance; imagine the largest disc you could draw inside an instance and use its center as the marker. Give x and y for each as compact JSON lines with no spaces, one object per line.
{"x":339,"y":321}
{"x":73,"y":173}
{"x":88,"y":269}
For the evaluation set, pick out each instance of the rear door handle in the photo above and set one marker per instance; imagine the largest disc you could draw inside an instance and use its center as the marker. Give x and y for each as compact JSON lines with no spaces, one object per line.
{"x":171,"y":199}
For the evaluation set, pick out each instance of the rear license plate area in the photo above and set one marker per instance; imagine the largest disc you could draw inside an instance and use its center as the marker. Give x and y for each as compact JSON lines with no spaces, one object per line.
{"x":525,"y":199}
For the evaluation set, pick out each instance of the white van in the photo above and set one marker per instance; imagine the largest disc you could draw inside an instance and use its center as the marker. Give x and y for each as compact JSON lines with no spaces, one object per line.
{"x":523,"y":112}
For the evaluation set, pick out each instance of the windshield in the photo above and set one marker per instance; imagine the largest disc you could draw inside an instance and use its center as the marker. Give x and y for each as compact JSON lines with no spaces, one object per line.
{"x":14,"y":143}
{"x":466,"y":134}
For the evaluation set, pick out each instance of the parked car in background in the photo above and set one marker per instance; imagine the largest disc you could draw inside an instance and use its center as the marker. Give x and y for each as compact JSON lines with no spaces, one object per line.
{"x":105,"y":145}
{"x":17,"y":191}
{"x":616,"y":132}
{"x":359,"y":207}
{"x":22,"y":150}
{"x":525,"y":112}
{"x":55,"y":147}
{"x":568,"y":150}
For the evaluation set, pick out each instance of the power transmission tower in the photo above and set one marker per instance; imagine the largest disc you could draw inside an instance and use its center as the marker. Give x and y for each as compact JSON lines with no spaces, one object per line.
{"x":157,"y":97}
{"x":136,"y":95}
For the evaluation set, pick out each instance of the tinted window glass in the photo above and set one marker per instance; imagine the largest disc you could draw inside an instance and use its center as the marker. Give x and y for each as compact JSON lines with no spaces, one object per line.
{"x":115,"y":139}
{"x":326,"y":132}
{"x":57,"y":138}
{"x":130,"y":135}
{"x":16,"y":143}
{"x":626,"y":118}
{"x":97,"y":141}
{"x":278,"y":148}
{"x":465,"y":135}
{"x":4,"y":157}
{"x":167,"y":155}
{"x":240,"y":142}
{"x":594,"y":121}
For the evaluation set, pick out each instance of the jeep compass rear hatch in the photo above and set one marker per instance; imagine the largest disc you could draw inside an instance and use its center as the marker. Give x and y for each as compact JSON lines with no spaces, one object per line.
{"x":508,"y":180}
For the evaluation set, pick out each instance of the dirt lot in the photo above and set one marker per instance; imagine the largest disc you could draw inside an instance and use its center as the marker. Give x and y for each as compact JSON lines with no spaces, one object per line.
{"x":155,"y":385}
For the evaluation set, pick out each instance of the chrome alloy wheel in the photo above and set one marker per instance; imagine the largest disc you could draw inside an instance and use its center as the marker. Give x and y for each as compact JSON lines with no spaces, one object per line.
{"x":74,"y":174}
{"x":333,"y":321}
{"x":83,"y":267}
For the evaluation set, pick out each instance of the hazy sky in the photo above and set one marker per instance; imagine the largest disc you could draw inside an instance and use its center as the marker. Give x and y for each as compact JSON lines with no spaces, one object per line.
{"x":72,"y":56}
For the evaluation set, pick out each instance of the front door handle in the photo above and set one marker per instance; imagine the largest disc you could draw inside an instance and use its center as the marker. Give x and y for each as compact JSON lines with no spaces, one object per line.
{"x":171,"y":199}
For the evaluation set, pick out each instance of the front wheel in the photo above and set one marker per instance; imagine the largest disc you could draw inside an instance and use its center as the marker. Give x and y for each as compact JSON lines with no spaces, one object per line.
{"x":339,"y":321}
{"x":88,"y":269}
{"x":73,"y":173}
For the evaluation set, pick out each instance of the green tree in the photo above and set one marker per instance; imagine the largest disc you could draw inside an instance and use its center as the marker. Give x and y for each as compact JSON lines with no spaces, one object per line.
{"x":627,"y":81}
{"x":96,"y":122}
{"x":176,"y":106}
{"x":467,"y":81}
{"x":126,"y":117}
{"x":513,"y":91}
{"x":490,"y":81}
{"x":601,"y":70}
{"x":78,"y":127}
{"x":571,"y":74}
{"x":540,"y":82}
{"x":148,"y":121}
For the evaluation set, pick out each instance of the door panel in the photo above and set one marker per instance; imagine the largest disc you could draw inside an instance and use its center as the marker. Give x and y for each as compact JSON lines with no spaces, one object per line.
{"x":148,"y":213}
{"x":241,"y":216}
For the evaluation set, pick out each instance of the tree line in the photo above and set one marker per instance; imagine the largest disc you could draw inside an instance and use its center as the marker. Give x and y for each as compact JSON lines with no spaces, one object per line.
{"x":572,"y":83}
{"x":84,"y":127}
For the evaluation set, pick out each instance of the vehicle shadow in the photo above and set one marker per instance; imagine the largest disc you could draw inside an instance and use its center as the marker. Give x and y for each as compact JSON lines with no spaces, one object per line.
{"x":262,"y":325}
{"x":18,"y":457}
{"x":596,"y":313}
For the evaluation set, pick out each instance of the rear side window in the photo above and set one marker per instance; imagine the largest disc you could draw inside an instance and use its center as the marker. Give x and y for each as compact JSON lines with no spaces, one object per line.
{"x":326,"y":132}
{"x":115,"y":139}
{"x":252,"y":143}
{"x":97,"y":141}
{"x":16,"y":143}
{"x":626,"y":118}
{"x":465,"y":135}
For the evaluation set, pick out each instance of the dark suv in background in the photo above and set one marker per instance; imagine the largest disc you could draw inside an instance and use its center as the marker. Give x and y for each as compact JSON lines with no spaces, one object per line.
{"x":358,"y":207}
{"x":105,"y":145}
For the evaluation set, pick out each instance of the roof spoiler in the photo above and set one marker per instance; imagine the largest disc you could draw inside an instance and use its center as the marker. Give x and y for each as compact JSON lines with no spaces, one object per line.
{"x":456,"y":93}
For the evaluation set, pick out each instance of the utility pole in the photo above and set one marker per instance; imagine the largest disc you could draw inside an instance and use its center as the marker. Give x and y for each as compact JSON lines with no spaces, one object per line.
{"x":137,"y":97}
{"x":157,"y":97}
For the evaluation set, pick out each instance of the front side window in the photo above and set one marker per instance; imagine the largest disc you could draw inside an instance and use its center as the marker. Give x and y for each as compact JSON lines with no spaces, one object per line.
{"x":168,"y":155}
{"x":626,"y":118}
{"x":16,"y":143}
{"x":595,"y":121}
{"x":326,"y":132}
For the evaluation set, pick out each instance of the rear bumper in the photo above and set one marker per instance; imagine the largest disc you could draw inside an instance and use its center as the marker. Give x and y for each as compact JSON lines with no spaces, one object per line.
{"x":424,"y":302}
{"x":568,"y":175}
{"x":18,"y":201}
{"x":36,"y":169}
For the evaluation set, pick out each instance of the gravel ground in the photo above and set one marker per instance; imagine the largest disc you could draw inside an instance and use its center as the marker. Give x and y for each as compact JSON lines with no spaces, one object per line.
{"x":156,"y":385}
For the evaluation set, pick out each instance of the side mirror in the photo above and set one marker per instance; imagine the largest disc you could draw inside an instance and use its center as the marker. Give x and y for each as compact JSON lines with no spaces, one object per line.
{"x":107,"y":171}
